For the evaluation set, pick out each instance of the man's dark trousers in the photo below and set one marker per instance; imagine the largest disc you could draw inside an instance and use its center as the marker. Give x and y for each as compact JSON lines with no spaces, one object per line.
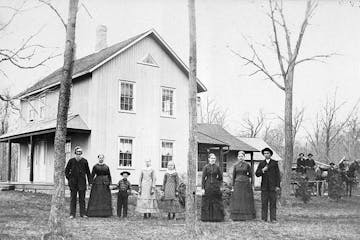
{"x":73,"y":195}
{"x":268,"y":197}
{"x":122,"y":203}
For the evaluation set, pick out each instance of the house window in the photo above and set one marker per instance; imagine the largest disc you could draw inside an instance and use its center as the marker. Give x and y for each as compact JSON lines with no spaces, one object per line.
{"x":42,"y":108}
{"x":166,"y":153}
{"x":125,"y":152}
{"x":126,"y":96}
{"x":31,"y":114}
{"x":167,"y":102}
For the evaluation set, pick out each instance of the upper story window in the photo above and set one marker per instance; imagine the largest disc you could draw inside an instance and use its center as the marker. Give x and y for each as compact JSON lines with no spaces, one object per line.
{"x":167,"y":153}
{"x":32,"y":111}
{"x":127,"y":96}
{"x":167,"y":102}
{"x":42,"y":108}
{"x":125,"y":152}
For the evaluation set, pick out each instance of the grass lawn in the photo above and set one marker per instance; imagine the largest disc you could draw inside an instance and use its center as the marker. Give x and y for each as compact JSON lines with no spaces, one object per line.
{"x":24,"y":215}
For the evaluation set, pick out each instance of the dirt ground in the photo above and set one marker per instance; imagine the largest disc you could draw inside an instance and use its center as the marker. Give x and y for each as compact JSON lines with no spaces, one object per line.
{"x":24,"y":215}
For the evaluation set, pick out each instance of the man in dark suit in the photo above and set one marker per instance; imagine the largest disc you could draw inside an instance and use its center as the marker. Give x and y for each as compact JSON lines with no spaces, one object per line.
{"x":301,"y":163}
{"x":76,"y":171}
{"x":310,"y":162}
{"x":268,"y":169}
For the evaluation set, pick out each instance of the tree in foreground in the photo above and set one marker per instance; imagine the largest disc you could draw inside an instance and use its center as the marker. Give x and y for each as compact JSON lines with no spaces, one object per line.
{"x":192,"y":154}
{"x":57,"y":212}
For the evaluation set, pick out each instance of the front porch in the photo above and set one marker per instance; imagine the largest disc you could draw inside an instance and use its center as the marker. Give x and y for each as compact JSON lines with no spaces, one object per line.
{"x":36,"y":151}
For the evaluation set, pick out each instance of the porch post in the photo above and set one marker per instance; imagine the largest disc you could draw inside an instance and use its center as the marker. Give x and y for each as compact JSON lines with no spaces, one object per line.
{"x":9,"y":160}
{"x":252,"y":167}
{"x":221,"y":156}
{"x":31,"y":159}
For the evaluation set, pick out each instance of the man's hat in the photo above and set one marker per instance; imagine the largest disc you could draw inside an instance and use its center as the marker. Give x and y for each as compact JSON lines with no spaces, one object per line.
{"x":78,"y":149}
{"x":301,"y":154}
{"x":125,"y":172}
{"x":310,"y":154}
{"x":331,"y":164}
{"x":267,"y":150}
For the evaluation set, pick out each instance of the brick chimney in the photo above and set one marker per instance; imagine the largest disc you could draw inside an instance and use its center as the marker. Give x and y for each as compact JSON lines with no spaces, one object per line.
{"x":101,"y":43}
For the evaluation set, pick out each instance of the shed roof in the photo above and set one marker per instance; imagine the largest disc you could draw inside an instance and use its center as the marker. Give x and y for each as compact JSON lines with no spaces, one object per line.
{"x":215,"y":131}
{"x":259,"y":144}
{"x":75,"y":122}
{"x":93,"y":61}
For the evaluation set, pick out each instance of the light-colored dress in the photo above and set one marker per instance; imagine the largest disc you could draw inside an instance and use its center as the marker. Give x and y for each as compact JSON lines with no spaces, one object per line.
{"x":146,"y":202}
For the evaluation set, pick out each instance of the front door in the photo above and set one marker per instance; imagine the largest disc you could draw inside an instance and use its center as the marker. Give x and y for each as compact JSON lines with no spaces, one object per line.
{"x":40,"y":161}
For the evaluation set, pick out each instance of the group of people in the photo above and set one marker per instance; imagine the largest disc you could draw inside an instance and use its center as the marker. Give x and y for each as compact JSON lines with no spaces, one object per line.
{"x":100,"y":201}
{"x":242,"y":205}
{"x":305,"y":164}
{"x":212,"y":209}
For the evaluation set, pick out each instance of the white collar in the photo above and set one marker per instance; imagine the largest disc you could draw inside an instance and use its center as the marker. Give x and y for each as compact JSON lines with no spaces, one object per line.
{"x":171,"y":171}
{"x":267,"y":160}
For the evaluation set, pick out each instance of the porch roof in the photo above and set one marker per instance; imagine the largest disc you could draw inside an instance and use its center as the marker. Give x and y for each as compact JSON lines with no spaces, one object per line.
{"x":206,"y":139}
{"x":216,"y":132}
{"x":74,"y":124}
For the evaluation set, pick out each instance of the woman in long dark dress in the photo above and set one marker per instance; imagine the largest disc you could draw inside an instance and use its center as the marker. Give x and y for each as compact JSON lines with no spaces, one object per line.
{"x":242,"y":200}
{"x":100,"y":196}
{"x":212,"y":207}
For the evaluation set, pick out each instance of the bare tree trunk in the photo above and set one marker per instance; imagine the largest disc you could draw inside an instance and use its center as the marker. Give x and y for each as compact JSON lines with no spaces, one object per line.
{"x":192,"y":155}
{"x":286,"y":178}
{"x":57,"y":212}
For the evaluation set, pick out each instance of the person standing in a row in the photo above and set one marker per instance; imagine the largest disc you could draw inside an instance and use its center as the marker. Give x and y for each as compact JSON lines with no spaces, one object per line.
{"x":242,"y":200}
{"x":124,"y":187}
{"x":100,"y":204}
{"x":76,"y":171}
{"x":269,"y":171}
{"x":146,"y":202}
{"x":212,"y":208}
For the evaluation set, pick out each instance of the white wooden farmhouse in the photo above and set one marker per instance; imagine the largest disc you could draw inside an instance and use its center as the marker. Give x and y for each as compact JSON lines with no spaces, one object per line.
{"x":129,"y":101}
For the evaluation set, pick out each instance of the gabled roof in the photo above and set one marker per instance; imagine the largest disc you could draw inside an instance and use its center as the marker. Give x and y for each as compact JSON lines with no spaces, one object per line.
{"x":93,"y":61}
{"x":74,"y":122}
{"x":259,"y":144}
{"x":215,"y":131}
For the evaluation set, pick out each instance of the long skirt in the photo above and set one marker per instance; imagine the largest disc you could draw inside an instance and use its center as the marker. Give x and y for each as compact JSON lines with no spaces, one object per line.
{"x":99,"y":204}
{"x":212,"y":207}
{"x":242,"y":202}
{"x":172,"y":206}
{"x":146,"y":202}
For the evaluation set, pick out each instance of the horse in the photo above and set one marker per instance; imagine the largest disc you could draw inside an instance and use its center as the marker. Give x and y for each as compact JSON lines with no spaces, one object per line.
{"x":350,"y":177}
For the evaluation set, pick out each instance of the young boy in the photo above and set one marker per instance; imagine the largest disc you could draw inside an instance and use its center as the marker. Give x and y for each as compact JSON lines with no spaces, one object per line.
{"x":124,"y":187}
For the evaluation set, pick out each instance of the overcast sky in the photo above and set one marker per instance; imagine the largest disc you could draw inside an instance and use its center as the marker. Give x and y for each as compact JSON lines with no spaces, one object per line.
{"x":221,"y":27}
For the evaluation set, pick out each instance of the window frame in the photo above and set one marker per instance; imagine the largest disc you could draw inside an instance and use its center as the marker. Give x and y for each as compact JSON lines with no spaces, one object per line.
{"x":42,"y":105}
{"x":161,"y":148}
{"x":132,"y":153}
{"x":162,"y":113}
{"x":133,"y":97}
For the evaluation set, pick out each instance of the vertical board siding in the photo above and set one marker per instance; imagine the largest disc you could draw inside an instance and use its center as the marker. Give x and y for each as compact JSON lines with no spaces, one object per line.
{"x":145,"y":126}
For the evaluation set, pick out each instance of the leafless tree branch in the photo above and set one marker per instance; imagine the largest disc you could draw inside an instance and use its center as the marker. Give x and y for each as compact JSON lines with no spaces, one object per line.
{"x":51,"y":6}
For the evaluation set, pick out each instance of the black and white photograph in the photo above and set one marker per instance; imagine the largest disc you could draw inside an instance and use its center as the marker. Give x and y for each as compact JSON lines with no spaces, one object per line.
{"x":179,"y":119}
